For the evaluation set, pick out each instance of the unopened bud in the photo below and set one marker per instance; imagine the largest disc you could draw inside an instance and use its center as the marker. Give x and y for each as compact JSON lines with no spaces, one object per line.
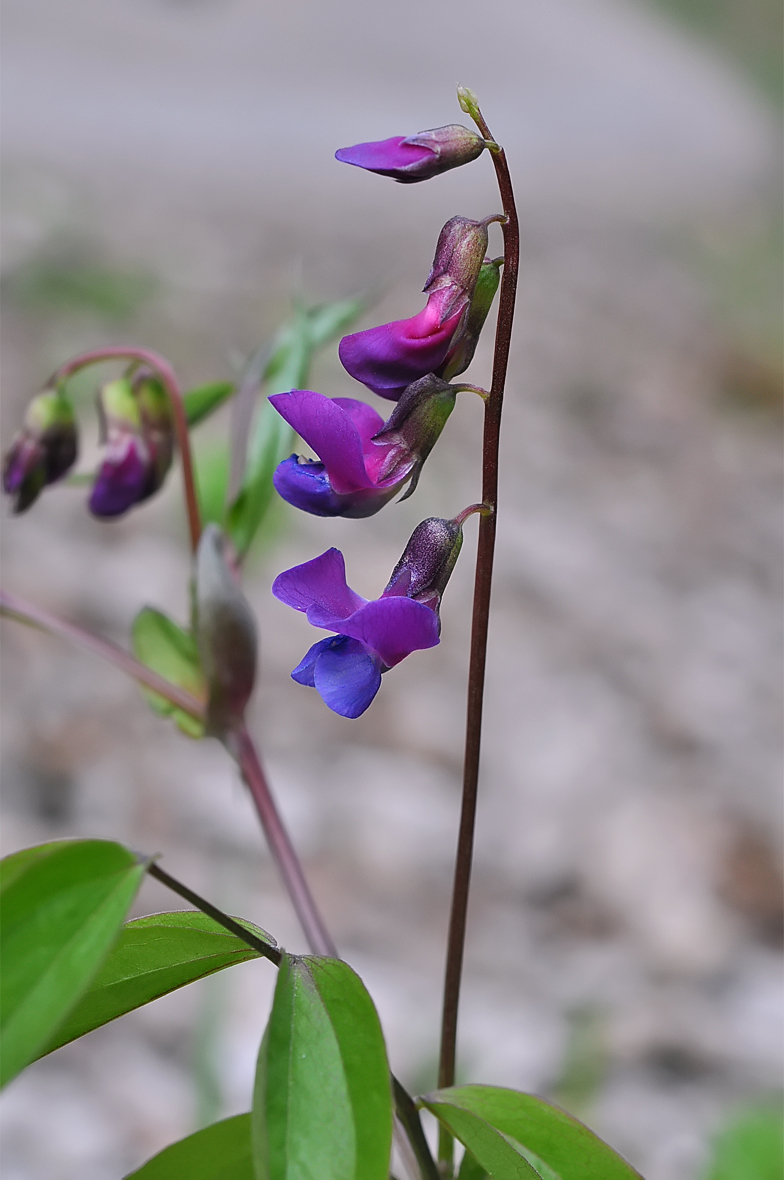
{"x":225,"y":634}
{"x":461,"y":247}
{"x":427,"y":561}
{"x":43,"y":451}
{"x":417,"y":157}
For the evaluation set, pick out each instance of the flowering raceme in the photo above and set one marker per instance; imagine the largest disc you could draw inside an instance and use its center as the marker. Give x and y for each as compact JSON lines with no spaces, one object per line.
{"x":389,"y":358}
{"x":364,"y":461}
{"x":372,"y":636}
{"x":419,"y":156}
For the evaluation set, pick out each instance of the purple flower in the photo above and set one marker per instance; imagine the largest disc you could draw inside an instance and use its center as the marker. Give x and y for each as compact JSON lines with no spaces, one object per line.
{"x":364,"y":461}
{"x":44,"y":449}
{"x":139,"y":444}
{"x":356,"y":475}
{"x":372,"y":637}
{"x":389,"y":358}
{"x":419,"y":157}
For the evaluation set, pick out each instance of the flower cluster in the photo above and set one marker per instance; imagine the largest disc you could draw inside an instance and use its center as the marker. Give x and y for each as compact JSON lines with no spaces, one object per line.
{"x":362,"y":461}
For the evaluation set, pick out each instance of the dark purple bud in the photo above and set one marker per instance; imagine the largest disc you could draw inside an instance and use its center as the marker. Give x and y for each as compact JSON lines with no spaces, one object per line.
{"x":44,"y":449}
{"x":419,"y":157}
{"x":460,"y":250}
{"x":225,"y":634}
{"x":139,"y":435}
{"x":157,"y":425}
{"x":464,"y":346}
{"x":427,"y":562}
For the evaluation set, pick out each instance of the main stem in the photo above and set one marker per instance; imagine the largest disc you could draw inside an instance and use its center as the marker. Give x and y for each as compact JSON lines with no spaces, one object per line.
{"x":282,"y":849}
{"x":171,"y":385}
{"x":479,"y":628}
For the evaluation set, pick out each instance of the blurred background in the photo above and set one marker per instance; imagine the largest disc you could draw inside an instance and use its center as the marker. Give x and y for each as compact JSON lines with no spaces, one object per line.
{"x":169,"y":180}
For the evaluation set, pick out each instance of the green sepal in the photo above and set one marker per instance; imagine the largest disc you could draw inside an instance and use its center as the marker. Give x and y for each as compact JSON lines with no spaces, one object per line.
{"x":322,"y":1102}
{"x":63,"y":905}
{"x":221,"y":1151}
{"x":162,"y":645}
{"x":153,"y":956}
{"x":203,"y":401}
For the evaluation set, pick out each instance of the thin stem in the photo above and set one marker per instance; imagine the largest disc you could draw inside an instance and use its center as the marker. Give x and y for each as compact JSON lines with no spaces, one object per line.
{"x":269,"y":952}
{"x":479,"y":629}
{"x":25,"y":612}
{"x":282,"y":849}
{"x":171,"y":385}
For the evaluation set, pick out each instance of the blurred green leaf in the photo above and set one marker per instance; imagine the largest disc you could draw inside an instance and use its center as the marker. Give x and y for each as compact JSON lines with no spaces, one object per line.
{"x":219,"y":1152}
{"x":203,"y":401}
{"x":211,"y":460}
{"x":62,"y":907}
{"x":272,"y":438}
{"x":491,"y":1121}
{"x":750,"y":1148}
{"x":152,"y":957}
{"x":171,"y":652}
{"x":68,"y":280}
{"x":322,"y":1104}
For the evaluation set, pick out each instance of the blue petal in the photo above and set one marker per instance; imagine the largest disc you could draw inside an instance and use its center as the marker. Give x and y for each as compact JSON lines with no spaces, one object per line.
{"x":346,"y":675}
{"x":305,"y":485}
{"x":303,"y":673}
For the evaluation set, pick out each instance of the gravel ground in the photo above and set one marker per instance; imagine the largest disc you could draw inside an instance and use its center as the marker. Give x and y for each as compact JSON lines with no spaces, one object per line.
{"x":624,"y":944}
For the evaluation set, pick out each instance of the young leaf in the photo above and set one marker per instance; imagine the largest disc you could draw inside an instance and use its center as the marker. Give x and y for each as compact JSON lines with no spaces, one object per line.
{"x":537,"y":1130}
{"x":169,"y":650}
{"x":322,"y":1105}
{"x":203,"y":401}
{"x":62,"y":907}
{"x":152,"y":957}
{"x":221,"y":1151}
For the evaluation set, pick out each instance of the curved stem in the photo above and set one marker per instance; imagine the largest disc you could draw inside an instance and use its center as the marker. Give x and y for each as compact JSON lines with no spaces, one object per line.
{"x":25,"y":612}
{"x":171,"y":385}
{"x":479,"y":629}
{"x":281,"y":848}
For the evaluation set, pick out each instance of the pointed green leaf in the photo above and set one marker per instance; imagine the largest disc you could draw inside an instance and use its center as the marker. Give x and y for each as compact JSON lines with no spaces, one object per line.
{"x":470,"y":1169}
{"x":330,"y":319}
{"x":152,"y":957}
{"x":322,"y":1107}
{"x":221,"y":1151}
{"x":62,"y":908}
{"x":203,"y":401}
{"x":539,"y":1131}
{"x":171,"y":652}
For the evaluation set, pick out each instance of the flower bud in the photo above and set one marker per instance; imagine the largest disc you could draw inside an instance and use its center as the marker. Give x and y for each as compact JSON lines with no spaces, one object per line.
{"x":44,"y":449}
{"x":414,"y":426}
{"x":460,"y":250}
{"x":139,"y":433}
{"x":157,"y":426}
{"x":427,"y":562}
{"x":225,"y":634}
{"x":462,"y":352}
{"x":419,"y":157}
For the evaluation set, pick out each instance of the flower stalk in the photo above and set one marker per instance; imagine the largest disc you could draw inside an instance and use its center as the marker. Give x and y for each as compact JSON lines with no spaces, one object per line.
{"x":169,"y":381}
{"x":479,"y":626}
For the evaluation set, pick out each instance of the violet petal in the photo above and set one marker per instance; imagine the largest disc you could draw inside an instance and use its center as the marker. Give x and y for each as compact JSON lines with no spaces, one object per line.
{"x":393,"y":628}
{"x":321,"y":584}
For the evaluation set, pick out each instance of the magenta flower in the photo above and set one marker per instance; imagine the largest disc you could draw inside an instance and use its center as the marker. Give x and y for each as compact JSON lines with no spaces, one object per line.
{"x":364,"y":461}
{"x":346,"y":668}
{"x":389,"y":358}
{"x":419,"y":156}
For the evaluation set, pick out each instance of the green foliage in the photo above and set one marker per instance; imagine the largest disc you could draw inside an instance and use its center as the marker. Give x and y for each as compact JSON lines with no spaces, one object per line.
{"x":272,"y":438}
{"x":70,"y":281}
{"x":204,"y":400}
{"x":152,"y":957}
{"x":62,"y":907}
{"x":513,"y":1134}
{"x":470,"y":1169}
{"x":322,"y":1106}
{"x":750,"y":1148}
{"x":219,"y":1152}
{"x":171,"y":652}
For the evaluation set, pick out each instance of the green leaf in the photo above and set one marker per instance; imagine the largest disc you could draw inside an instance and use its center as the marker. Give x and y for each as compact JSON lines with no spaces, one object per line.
{"x":532,"y":1127}
{"x":203,"y":401}
{"x":221,"y":1151}
{"x":272,"y":438}
{"x":152,"y":957}
{"x":322,"y":1107}
{"x":62,"y":907}
{"x":470,"y":1169}
{"x":171,"y":652}
{"x":750,"y":1148}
